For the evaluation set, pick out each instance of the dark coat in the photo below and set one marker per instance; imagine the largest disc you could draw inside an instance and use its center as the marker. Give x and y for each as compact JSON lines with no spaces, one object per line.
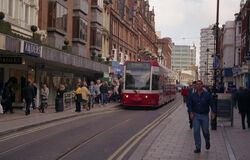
{"x":59,"y":93}
{"x":104,"y":88}
{"x":243,"y":101}
{"x":8,"y":96}
{"x":28,"y":93}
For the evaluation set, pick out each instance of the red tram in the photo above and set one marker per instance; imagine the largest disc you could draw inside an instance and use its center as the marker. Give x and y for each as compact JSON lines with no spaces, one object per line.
{"x":147,"y":84}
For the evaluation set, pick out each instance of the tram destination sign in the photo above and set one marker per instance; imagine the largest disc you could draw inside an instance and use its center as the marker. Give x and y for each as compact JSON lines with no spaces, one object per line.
{"x":10,"y":60}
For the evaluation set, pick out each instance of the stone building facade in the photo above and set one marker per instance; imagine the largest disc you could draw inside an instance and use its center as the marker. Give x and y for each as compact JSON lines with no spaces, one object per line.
{"x":22,"y":14}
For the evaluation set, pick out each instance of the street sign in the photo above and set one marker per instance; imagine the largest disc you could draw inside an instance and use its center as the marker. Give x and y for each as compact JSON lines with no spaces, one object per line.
{"x":216,"y":62}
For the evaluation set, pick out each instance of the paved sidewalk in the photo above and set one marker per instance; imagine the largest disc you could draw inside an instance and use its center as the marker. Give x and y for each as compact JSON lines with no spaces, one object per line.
{"x":18,"y":120}
{"x":239,"y":138}
{"x":173,"y":140}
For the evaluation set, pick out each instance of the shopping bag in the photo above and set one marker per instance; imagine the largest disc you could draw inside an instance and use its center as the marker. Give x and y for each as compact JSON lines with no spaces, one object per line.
{"x":1,"y":109}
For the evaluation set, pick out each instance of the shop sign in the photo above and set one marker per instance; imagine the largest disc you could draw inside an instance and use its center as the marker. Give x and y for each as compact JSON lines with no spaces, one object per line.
{"x":31,"y":49}
{"x":10,"y":60}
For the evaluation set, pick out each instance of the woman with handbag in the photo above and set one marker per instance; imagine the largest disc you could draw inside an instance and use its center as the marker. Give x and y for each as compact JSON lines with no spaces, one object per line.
{"x":78,"y":97}
{"x":44,"y":98}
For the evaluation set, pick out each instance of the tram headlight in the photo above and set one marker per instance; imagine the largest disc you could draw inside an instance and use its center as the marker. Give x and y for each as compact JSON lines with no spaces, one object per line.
{"x":126,"y":96}
{"x":146,"y":97}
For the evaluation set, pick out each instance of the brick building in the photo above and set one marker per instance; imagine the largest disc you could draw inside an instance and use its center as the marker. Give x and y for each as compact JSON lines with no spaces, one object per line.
{"x":132,"y":30}
{"x":124,"y":37}
{"x":165,"y":46}
{"x":145,"y":26}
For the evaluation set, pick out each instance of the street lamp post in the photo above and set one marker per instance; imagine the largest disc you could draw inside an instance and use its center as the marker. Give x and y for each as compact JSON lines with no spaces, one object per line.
{"x":214,"y":122}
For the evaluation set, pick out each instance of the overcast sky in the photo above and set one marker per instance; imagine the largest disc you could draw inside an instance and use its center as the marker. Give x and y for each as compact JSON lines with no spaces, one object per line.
{"x":182,"y":19}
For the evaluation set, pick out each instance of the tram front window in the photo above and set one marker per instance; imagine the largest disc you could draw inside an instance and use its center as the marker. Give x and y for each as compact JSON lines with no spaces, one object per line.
{"x":137,"y":76}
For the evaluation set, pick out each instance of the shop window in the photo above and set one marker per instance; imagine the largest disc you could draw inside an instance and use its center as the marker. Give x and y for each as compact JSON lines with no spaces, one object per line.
{"x":57,"y":16}
{"x":19,"y":76}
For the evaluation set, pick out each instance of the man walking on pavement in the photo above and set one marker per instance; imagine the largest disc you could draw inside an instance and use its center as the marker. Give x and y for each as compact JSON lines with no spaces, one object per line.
{"x":29,"y":94}
{"x":198,"y":107}
{"x":191,"y":90}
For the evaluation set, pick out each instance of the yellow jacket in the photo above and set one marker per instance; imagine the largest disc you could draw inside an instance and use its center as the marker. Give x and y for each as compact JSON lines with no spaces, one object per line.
{"x":78,"y":91}
{"x":85,"y":93}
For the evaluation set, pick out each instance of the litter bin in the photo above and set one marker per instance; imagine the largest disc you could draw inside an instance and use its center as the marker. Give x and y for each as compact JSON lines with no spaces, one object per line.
{"x":59,"y":105}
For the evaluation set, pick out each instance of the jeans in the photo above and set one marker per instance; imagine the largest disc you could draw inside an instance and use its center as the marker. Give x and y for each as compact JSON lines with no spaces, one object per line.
{"x":103,"y":98}
{"x":91,"y":101}
{"x":201,"y":120}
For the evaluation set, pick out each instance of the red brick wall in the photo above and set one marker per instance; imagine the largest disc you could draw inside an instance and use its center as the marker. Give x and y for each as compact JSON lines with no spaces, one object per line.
{"x":43,"y":15}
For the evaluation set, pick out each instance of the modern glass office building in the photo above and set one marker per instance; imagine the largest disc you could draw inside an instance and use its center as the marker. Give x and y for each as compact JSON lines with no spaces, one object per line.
{"x":183,"y":57}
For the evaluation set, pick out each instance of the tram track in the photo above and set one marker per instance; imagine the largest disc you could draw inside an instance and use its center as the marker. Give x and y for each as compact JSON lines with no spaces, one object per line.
{"x":43,"y":127}
{"x":129,"y":144}
{"x":121,"y":152}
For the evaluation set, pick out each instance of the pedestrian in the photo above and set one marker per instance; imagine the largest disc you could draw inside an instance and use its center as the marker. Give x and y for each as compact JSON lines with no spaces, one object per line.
{"x":198,"y":107}
{"x":8,"y":97}
{"x":34,"y":99}
{"x":184,"y":93}
{"x":110,"y":92}
{"x":44,"y":98}
{"x":28,"y":96}
{"x":98,"y":95}
{"x":78,"y":97}
{"x":191,"y":90}
{"x":59,"y":98}
{"x":234,"y":94}
{"x":104,"y":91}
{"x":85,"y":95}
{"x":116,"y":92}
{"x":243,"y":105}
{"x":92,"y":90}
{"x":120,"y":89}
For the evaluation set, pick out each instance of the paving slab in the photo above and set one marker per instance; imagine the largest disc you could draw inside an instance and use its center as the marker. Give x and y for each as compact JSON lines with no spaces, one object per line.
{"x":174,"y":141}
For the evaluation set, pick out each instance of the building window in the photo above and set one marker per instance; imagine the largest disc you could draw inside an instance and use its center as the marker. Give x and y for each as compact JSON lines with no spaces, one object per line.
{"x":27,"y":14}
{"x":80,"y":28}
{"x":11,"y":8}
{"x":96,"y":38}
{"x":57,"y":16}
{"x":239,"y":29}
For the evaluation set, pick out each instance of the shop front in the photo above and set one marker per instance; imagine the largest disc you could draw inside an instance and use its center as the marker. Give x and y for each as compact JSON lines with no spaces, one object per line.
{"x":21,"y":61}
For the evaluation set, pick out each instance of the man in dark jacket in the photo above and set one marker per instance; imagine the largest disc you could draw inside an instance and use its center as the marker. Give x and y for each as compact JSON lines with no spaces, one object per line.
{"x":8,"y":97}
{"x":191,"y":90}
{"x":34,"y":99}
{"x":28,"y":95}
{"x":104,"y":91}
{"x":244,"y":106}
{"x":198,"y":108}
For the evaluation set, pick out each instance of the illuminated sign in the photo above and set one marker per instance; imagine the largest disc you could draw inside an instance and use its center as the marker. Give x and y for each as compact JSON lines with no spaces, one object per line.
{"x":136,"y":65}
{"x":31,"y":49}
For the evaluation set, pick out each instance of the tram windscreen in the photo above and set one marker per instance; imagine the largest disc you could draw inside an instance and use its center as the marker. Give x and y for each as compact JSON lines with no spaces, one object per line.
{"x":138,"y":75}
